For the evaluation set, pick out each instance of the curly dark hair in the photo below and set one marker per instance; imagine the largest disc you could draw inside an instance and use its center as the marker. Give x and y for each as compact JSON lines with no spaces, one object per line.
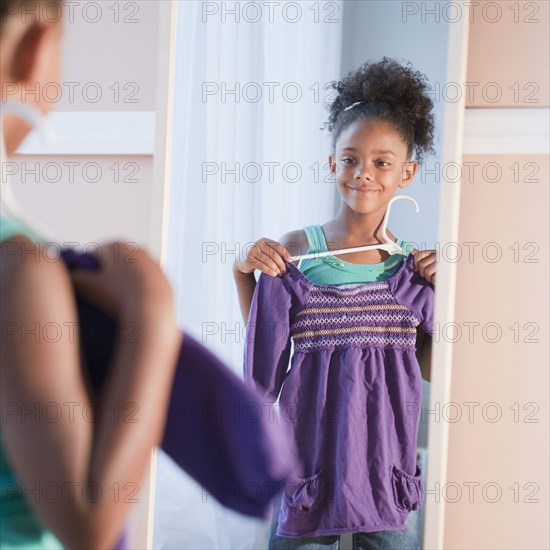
{"x":388,"y":92}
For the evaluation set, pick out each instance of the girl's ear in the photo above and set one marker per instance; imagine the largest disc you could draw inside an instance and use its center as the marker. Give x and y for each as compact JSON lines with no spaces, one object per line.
{"x":332,"y":164}
{"x":36,"y":61}
{"x":26,"y":54}
{"x":409,"y":170}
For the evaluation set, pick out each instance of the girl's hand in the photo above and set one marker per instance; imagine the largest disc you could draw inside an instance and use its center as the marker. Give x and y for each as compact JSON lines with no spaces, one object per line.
{"x":425,"y":263}
{"x":266,"y":255}
{"x":128,"y":281}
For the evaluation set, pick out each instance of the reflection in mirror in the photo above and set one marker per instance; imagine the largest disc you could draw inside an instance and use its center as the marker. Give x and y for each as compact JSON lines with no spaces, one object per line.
{"x":250,"y":160}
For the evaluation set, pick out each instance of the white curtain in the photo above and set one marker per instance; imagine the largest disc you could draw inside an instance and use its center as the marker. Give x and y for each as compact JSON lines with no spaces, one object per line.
{"x":249,"y":160}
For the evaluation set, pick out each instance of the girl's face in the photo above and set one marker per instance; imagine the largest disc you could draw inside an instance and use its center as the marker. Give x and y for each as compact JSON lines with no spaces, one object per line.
{"x":370,"y":162}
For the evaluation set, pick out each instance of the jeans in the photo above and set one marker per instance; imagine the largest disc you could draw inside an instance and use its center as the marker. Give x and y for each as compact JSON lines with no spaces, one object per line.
{"x":379,"y":540}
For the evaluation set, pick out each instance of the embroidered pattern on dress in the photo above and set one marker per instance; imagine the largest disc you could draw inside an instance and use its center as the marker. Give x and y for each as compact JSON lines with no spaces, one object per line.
{"x":351,"y":308}
{"x":311,"y":321}
{"x":363,"y":316}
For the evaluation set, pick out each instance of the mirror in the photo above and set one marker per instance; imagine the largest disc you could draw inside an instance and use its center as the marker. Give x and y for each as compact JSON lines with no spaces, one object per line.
{"x":246,"y":158}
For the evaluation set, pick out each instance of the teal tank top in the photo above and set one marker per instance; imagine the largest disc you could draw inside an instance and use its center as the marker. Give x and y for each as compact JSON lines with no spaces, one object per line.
{"x":19,"y":527}
{"x":332,"y":270}
{"x":9,"y":227}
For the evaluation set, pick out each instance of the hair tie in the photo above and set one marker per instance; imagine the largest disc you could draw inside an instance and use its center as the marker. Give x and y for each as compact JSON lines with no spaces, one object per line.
{"x":353,"y":105}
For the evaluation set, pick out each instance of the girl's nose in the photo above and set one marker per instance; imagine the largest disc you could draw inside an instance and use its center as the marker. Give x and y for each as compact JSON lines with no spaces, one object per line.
{"x":363,"y":172}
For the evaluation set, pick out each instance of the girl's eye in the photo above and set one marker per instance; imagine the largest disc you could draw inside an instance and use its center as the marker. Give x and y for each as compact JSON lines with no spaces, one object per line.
{"x":347,"y":160}
{"x":382,"y":163}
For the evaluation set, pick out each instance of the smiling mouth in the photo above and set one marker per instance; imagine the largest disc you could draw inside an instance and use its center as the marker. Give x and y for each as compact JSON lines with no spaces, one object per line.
{"x":362,"y":190}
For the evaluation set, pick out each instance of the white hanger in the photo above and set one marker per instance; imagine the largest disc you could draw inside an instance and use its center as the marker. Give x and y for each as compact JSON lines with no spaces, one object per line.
{"x":388,"y":245}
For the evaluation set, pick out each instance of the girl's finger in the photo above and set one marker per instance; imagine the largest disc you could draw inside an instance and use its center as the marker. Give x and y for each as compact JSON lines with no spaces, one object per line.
{"x":284,"y":253}
{"x":90,"y":284}
{"x":427,"y":270}
{"x":281,"y":250}
{"x":262,"y":262}
{"x":419,"y":255}
{"x":254,"y":255}
{"x":267,"y":262}
{"x":422,"y":265}
{"x":274,"y":254}
{"x":424,"y":259}
{"x":255,"y":260}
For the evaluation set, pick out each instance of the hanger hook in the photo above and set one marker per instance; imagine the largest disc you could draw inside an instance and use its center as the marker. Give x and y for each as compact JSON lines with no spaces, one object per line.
{"x":387,"y":214}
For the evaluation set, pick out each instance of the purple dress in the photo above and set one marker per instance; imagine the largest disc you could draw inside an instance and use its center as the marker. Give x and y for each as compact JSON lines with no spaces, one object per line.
{"x":351,"y":397}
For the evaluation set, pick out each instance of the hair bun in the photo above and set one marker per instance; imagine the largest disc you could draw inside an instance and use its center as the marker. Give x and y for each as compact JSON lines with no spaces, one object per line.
{"x":386,"y":90}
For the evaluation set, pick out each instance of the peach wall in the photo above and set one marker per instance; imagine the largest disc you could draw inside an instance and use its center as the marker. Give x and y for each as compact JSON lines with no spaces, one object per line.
{"x":511,"y":453}
{"x":119,"y":59}
{"x":509,"y":46}
{"x":496,"y":491}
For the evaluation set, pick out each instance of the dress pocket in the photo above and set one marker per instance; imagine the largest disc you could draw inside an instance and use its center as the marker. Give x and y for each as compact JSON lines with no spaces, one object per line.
{"x":303,"y":494}
{"x":407,"y":489}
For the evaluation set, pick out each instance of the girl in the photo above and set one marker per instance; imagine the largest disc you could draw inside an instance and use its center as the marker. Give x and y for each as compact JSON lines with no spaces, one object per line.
{"x":380,"y":117}
{"x":69,"y":475}
{"x":35,"y":291}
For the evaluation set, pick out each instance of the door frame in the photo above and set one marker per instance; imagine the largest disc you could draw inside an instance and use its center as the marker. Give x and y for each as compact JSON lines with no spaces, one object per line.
{"x":445,"y":294}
